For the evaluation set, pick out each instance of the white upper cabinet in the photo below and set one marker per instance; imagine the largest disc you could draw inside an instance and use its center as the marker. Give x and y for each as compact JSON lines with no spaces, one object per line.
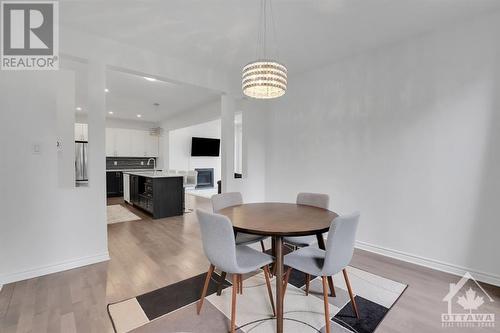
{"x":130,"y":143}
{"x":123,"y":142}
{"x":151,"y":143}
{"x":137,"y":143}
{"x":81,"y":132}
{"x":110,"y":142}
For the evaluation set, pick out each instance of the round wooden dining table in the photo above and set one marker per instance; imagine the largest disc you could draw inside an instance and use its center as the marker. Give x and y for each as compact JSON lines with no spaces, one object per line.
{"x":279,"y":220}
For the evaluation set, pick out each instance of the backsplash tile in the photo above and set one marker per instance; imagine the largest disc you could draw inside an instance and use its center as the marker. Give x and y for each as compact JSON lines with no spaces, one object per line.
{"x":128,"y":163}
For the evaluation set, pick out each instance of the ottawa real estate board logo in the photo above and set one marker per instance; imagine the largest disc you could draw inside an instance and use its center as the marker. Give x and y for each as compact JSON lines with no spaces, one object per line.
{"x":29,"y":35}
{"x":466,"y":300}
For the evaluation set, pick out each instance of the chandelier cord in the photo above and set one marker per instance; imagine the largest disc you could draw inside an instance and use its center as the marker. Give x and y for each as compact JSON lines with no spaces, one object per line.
{"x":273,"y":27}
{"x":262,"y":48}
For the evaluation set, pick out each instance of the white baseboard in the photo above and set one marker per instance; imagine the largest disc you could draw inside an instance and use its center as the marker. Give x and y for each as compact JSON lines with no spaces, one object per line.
{"x":430,"y":263}
{"x":54,"y":268}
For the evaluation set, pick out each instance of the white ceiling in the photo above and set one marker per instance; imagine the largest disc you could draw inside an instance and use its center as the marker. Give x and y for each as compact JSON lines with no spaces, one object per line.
{"x":222,"y":33}
{"x":130,"y":95}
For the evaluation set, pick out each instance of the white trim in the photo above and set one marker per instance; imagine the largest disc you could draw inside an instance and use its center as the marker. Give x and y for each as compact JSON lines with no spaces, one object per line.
{"x":430,"y":263}
{"x":53,"y":268}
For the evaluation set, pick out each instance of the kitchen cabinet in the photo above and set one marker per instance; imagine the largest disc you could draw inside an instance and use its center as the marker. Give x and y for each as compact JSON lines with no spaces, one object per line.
{"x":114,"y":183}
{"x":151,"y":144}
{"x":126,"y":187}
{"x":160,"y":196}
{"x":110,"y":142}
{"x":137,"y":144}
{"x":123,"y":142}
{"x":134,"y":189}
{"x":81,"y":132}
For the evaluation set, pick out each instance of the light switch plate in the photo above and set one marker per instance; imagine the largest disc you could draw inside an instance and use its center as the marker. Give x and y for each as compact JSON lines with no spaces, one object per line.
{"x":59,"y":145}
{"x":36,"y":148}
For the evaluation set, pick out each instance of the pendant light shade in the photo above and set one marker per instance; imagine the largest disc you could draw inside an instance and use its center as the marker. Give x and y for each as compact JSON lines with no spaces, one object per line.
{"x":264,"y":78}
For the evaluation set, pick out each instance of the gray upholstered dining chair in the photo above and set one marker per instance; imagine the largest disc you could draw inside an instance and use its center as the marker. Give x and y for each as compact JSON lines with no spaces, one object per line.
{"x":338,"y":254}
{"x":221,"y":250}
{"x":223,"y":200}
{"x":310,"y":199}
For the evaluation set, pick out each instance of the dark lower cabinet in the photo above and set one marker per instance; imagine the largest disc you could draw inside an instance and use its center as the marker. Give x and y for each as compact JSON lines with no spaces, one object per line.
{"x":114,"y":183}
{"x":134,"y":188}
{"x":161,"y":197}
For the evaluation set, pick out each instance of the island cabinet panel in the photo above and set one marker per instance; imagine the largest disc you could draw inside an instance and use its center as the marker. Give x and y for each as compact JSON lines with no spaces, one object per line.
{"x":134,"y":189}
{"x":159,"y":196}
{"x":168,"y":196}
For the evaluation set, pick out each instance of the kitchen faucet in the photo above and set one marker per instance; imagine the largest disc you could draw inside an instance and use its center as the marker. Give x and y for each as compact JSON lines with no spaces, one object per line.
{"x":154,"y":164}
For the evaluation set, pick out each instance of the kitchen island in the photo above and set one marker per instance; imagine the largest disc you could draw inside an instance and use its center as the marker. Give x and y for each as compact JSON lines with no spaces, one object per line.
{"x":158,"y":193}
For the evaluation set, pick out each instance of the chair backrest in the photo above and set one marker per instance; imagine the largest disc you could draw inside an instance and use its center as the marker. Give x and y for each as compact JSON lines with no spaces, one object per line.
{"x":223,"y":200}
{"x":313,"y":199}
{"x":340,"y":243}
{"x":218,"y":240}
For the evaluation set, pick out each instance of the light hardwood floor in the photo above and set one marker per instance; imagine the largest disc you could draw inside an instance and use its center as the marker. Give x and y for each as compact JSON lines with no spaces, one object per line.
{"x":147,"y":254}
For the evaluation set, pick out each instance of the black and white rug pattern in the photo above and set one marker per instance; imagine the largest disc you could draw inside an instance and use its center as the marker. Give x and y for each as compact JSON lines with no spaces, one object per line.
{"x":172,"y":308}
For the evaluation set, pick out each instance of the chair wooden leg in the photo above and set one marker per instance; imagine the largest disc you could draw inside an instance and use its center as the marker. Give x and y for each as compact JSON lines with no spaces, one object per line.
{"x":285,"y":282}
{"x":349,"y":289}
{"x":241,"y":284}
{"x":205,"y":287}
{"x":262,"y":246}
{"x":308,"y":281}
{"x":269,"y":290}
{"x":221,"y":283}
{"x":325,"y":301}
{"x":332,"y":287}
{"x":233,"y":302}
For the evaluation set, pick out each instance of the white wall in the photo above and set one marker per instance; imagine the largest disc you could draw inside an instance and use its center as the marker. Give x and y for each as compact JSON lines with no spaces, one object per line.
{"x":47,"y":224}
{"x":180,"y":148}
{"x":409,"y":134}
{"x":254,"y":119}
{"x":254,"y":126}
{"x":201,"y":114}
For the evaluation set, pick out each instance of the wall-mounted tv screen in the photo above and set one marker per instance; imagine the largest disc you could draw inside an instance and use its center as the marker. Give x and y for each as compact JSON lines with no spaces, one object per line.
{"x":205,"y":147}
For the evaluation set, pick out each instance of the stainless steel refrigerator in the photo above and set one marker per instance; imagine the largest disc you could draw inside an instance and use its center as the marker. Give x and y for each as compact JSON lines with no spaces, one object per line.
{"x":81,"y":163}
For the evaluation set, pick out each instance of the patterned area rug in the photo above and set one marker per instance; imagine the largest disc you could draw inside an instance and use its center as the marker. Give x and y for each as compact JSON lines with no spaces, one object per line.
{"x":118,"y":213}
{"x":173,"y":308}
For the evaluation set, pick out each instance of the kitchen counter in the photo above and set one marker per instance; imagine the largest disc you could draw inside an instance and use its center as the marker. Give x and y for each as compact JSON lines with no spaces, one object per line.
{"x":152,"y":174}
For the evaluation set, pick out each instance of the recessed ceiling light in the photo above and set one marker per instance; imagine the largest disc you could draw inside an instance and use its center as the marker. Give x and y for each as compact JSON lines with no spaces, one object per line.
{"x":152,"y":79}
{"x":139,"y":116}
{"x":78,"y":108}
{"x":110,"y":112}
{"x":106,"y":90}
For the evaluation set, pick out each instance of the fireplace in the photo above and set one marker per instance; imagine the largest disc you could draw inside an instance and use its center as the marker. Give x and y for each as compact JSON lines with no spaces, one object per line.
{"x":205,"y":178}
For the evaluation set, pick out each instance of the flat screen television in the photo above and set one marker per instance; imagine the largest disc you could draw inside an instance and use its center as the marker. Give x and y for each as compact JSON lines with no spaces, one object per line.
{"x":205,"y":147}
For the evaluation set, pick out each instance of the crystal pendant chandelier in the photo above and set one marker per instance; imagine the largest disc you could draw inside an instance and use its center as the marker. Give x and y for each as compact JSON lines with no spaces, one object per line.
{"x":264,"y":78}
